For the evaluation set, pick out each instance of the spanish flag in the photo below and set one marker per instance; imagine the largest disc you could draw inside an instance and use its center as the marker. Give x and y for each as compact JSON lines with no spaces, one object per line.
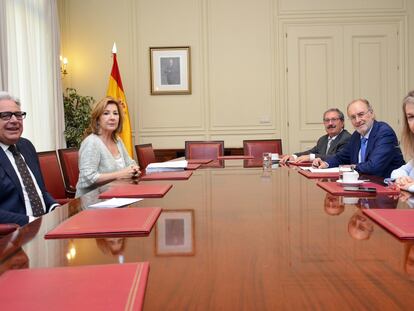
{"x":116,"y":90}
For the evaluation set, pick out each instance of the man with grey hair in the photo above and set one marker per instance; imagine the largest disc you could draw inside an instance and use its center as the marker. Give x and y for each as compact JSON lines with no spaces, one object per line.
{"x":23,"y":195}
{"x":373,"y":148}
{"x":335,"y":139}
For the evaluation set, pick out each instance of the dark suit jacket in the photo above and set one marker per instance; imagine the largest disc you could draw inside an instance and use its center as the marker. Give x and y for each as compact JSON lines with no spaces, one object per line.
{"x":320,"y":149}
{"x":383,"y":154}
{"x":12,"y":208}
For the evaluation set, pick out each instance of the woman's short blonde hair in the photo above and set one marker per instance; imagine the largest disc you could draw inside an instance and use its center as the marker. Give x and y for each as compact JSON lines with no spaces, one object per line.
{"x":98,"y":110}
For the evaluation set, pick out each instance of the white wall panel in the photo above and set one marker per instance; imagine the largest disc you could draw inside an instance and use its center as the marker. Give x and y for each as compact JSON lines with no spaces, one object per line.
{"x":241,"y":66}
{"x":355,"y":6}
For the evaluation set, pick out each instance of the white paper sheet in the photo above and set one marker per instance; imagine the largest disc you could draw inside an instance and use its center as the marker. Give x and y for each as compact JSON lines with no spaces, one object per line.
{"x":115,"y":202}
{"x":325,"y":170}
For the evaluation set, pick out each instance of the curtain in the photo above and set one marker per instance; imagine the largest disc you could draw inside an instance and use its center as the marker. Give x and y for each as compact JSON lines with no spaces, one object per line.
{"x":33,"y":68}
{"x":3,"y":53}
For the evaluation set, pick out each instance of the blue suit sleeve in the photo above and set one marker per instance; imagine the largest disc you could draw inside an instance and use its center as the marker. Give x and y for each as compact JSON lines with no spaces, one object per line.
{"x":382,"y":153}
{"x":7,"y":217}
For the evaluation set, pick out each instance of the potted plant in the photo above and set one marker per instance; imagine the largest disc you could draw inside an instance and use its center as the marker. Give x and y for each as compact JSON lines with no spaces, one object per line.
{"x":77,"y":115}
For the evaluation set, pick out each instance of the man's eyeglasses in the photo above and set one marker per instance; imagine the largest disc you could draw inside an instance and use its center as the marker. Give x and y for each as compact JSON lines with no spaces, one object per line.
{"x":6,"y":115}
{"x":359,"y":115}
{"x":330,"y":120}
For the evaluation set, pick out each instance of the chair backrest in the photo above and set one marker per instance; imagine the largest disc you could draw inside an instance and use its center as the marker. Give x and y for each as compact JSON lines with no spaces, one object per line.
{"x":256,"y":148}
{"x":69,"y":159}
{"x":52,"y":175}
{"x":204,"y":149}
{"x":145,"y":155}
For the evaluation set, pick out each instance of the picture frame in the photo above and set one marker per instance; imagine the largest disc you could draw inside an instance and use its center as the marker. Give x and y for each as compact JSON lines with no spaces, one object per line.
{"x":174,"y":233}
{"x":170,"y":70}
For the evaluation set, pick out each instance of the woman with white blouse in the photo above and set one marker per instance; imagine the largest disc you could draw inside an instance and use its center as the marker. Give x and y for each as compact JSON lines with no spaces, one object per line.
{"x":102,"y":155}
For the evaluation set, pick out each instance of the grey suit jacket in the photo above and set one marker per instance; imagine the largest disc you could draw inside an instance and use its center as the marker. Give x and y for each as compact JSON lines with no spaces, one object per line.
{"x":320,"y":149}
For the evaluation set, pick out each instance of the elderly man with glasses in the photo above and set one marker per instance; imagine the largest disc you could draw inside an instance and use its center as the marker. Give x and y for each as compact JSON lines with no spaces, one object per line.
{"x":23,"y":196}
{"x":373,"y":148}
{"x":335,"y":139}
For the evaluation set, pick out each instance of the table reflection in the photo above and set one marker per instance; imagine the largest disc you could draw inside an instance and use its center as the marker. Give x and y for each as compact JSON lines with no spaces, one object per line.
{"x":360,"y":227}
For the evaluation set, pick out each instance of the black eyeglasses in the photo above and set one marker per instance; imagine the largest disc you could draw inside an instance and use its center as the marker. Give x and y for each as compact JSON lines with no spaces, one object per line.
{"x":6,"y":115}
{"x":331,"y":120}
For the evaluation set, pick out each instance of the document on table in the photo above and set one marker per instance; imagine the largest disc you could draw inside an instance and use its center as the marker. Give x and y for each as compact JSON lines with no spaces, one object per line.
{"x":115,"y":202}
{"x":166,"y":166}
{"x":325,"y":170}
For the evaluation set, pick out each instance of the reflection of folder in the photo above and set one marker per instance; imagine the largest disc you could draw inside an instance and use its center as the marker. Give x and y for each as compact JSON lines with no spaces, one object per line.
{"x":235,"y":157}
{"x":136,"y":191}
{"x":167,"y":176}
{"x":309,"y":174}
{"x":97,"y":287}
{"x":114,"y":222}
{"x":398,"y":221}
{"x":337,"y":189}
{"x":199,"y":161}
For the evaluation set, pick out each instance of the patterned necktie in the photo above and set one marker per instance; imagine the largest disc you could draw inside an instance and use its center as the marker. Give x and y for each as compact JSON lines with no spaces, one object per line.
{"x":28,"y":183}
{"x":363,"y":148}
{"x":330,"y":139}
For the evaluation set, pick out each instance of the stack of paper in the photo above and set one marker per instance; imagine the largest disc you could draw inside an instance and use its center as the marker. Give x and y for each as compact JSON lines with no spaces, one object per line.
{"x":169,"y":166}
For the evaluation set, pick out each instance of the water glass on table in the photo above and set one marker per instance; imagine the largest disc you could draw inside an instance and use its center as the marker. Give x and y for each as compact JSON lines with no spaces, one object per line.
{"x":267,"y":161}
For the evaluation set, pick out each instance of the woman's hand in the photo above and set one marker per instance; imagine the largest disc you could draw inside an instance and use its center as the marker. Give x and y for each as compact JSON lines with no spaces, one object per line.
{"x":131,"y":171}
{"x":404,"y":182}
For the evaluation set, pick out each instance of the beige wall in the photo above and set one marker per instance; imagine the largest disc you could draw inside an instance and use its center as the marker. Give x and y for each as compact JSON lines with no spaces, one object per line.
{"x":239,"y":59}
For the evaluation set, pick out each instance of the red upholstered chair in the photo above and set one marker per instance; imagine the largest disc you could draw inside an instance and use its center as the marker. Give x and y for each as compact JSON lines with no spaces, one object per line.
{"x":145,"y":155}
{"x":204,"y":149}
{"x":52,"y":176}
{"x":256,"y":148}
{"x":69,"y":159}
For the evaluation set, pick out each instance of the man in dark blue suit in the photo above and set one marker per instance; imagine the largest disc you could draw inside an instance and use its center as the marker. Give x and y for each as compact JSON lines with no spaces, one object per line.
{"x":373,"y":148}
{"x":23,"y":195}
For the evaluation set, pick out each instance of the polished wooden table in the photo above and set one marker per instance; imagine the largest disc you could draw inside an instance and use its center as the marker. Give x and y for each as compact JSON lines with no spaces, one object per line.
{"x":238,"y":238}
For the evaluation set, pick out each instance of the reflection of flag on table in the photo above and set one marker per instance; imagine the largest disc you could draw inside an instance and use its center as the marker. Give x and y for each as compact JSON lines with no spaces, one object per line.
{"x":116,"y":90}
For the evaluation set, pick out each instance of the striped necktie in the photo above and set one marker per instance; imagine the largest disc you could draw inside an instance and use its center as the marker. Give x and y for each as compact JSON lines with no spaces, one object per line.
{"x":28,"y":183}
{"x":330,"y":139}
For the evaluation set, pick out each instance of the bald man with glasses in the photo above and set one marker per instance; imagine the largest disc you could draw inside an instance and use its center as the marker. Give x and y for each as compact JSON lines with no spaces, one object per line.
{"x":23,"y":195}
{"x":373,"y":148}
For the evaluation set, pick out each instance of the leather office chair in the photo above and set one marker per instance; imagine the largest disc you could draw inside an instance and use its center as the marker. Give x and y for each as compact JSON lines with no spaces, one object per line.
{"x":52,"y":176}
{"x":256,"y":147}
{"x":145,"y":155}
{"x":204,"y":149}
{"x":69,"y":159}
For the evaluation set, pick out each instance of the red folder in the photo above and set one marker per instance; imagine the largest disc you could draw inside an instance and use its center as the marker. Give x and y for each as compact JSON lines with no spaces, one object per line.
{"x":136,"y":191}
{"x":199,"y":161}
{"x":193,"y":166}
{"x":337,"y":189}
{"x":400,"y":222}
{"x":96,"y":287}
{"x":112,"y":222}
{"x":319,"y":175}
{"x":167,"y":175}
{"x":235,"y":157}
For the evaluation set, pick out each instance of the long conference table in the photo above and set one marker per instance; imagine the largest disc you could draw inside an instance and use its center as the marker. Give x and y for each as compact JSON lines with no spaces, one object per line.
{"x":240,"y":238}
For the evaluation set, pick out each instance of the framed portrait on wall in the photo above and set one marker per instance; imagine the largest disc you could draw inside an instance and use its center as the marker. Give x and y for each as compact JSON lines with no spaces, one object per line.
{"x":170,"y":70}
{"x":174,"y":233}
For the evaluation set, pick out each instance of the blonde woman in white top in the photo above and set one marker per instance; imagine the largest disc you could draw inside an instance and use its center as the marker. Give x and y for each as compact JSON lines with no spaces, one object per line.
{"x":102,"y":155}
